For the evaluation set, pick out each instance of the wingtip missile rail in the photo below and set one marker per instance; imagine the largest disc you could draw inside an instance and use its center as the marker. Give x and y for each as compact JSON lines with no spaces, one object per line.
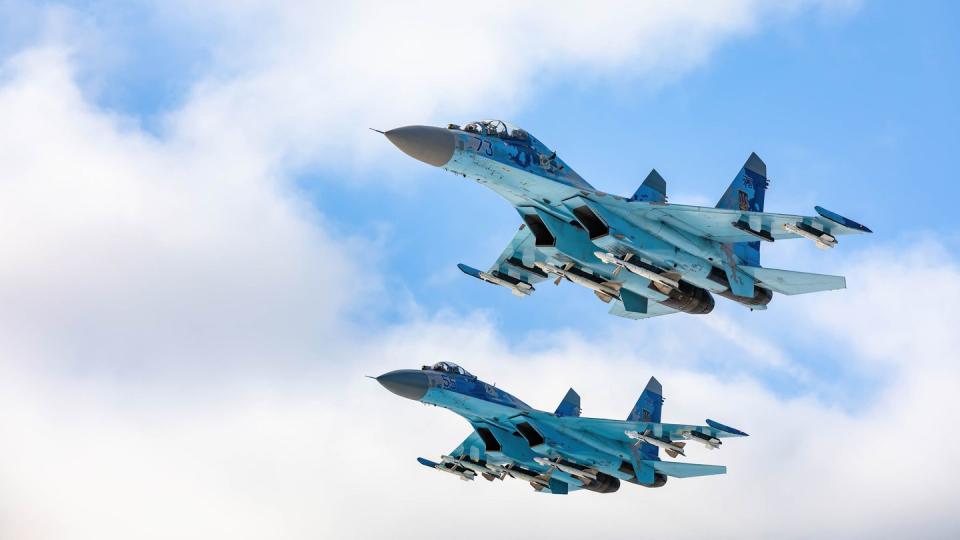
{"x":517,"y":287}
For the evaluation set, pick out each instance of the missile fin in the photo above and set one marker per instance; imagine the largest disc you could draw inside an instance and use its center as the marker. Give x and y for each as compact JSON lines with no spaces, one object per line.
{"x":606,"y":298}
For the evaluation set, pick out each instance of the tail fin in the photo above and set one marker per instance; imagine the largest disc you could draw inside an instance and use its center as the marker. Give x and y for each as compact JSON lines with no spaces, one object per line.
{"x":653,"y":189}
{"x":570,"y":406}
{"x":647,"y":409}
{"x":747,"y":190}
{"x":746,"y":193}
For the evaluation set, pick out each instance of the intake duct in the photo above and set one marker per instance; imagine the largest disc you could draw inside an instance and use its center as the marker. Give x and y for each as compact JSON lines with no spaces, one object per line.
{"x":528,"y":432}
{"x":591,"y":221}
{"x":489,"y":441}
{"x":541,"y":235}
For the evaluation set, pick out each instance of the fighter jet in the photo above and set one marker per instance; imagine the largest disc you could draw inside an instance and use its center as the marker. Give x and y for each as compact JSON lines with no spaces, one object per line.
{"x":555,"y":452}
{"x":643,"y":255}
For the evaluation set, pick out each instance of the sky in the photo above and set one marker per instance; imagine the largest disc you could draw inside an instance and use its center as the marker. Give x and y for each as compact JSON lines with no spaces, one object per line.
{"x":206,"y":249}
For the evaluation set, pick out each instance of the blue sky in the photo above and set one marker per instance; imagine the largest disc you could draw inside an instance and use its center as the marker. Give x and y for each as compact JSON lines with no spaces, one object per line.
{"x":854,"y":113}
{"x":207,"y":249}
{"x":857,"y":114}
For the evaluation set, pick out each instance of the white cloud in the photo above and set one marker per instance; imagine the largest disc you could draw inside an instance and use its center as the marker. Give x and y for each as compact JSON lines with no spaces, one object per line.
{"x":270,"y":457}
{"x":125,"y":248}
{"x":307,"y":80}
{"x":175,"y":359}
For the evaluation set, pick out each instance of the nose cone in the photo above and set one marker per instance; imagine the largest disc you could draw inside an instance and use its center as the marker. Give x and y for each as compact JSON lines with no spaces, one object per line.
{"x":429,"y":144}
{"x":408,"y":383}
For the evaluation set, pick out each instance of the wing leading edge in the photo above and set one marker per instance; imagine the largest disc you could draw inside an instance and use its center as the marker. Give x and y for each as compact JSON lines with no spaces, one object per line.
{"x":616,"y":429}
{"x":721,"y":224}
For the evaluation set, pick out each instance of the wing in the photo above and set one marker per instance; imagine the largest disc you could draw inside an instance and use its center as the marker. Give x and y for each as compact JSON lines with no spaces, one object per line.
{"x":464,"y":461}
{"x":472,"y":447}
{"x":518,"y":257}
{"x":515,"y":267}
{"x":731,"y":226}
{"x":615,"y":429}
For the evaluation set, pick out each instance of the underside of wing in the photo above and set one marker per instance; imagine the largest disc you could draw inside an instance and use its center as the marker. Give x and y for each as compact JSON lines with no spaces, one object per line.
{"x":518,"y":258}
{"x":472,"y":447}
{"x":732,"y":226}
{"x":515,"y":268}
{"x":616,"y":429}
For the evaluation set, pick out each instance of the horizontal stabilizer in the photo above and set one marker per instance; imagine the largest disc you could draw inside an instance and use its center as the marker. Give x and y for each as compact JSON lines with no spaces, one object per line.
{"x":686,"y":470}
{"x":790,"y":282}
{"x":570,"y":406}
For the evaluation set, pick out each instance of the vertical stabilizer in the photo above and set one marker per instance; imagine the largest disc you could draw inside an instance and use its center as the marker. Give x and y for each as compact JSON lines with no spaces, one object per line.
{"x":653,"y":189}
{"x":570,"y":406}
{"x":647,"y":409}
{"x":746,"y":193}
{"x":747,"y":190}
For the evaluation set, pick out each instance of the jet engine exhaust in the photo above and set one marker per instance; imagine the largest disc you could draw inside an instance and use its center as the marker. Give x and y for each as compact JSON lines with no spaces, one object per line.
{"x":687,"y":298}
{"x":603,"y":484}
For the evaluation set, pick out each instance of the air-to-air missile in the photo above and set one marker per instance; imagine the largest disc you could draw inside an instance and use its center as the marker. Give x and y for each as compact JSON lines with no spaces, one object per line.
{"x":673,"y":449}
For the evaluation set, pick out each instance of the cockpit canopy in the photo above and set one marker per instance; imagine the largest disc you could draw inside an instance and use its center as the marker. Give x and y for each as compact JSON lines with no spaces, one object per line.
{"x":497,"y":128}
{"x":449,"y":367}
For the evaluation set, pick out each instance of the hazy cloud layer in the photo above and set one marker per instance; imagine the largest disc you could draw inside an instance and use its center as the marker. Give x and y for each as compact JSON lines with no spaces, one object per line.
{"x":176,"y":356}
{"x":271,"y":456}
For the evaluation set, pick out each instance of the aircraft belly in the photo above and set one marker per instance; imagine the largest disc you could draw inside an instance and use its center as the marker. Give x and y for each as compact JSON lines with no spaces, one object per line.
{"x":649,"y":247}
{"x":580,"y":448}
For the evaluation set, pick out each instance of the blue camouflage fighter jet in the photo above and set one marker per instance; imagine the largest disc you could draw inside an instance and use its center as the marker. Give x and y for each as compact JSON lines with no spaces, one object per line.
{"x":675,"y":256}
{"x":555,"y":452}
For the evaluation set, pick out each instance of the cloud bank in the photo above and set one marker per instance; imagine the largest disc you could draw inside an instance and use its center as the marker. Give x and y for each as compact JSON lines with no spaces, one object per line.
{"x":179,"y":355}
